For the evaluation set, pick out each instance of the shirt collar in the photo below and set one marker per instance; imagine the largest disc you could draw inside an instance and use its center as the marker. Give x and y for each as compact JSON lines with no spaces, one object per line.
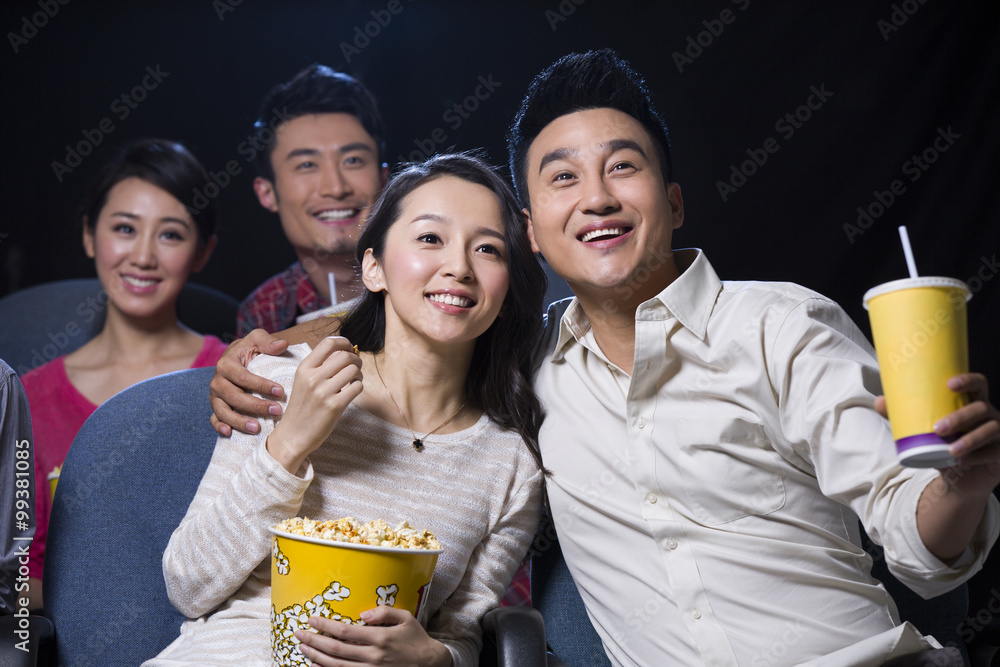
{"x":690,"y":298}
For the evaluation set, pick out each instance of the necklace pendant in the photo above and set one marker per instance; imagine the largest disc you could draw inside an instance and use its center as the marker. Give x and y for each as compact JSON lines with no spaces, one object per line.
{"x":418,"y":445}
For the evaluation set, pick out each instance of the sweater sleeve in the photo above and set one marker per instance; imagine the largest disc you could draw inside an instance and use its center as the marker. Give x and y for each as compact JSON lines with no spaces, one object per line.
{"x":224,"y":534}
{"x":491,"y":565}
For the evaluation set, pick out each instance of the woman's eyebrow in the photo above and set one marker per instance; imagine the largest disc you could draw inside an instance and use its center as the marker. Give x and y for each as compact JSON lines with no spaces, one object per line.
{"x":435,"y":217}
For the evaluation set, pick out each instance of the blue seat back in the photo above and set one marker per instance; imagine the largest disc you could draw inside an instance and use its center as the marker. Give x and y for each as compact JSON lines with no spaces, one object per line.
{"x":45,"y":321}
{"x":568,"y":629}
{"x":128,"y":479}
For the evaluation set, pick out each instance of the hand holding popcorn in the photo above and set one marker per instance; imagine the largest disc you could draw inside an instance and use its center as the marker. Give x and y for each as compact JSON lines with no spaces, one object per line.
{"x":325,"y":384}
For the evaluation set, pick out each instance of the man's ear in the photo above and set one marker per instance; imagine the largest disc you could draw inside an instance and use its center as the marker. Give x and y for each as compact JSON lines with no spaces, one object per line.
{"x":371,"y":272}
{"x":385,"y":173}
{"x":266,"y":194}
{"x":204,"y":253}
{"x":676,"y":204}
{"x":531,"y":230}
{"x":89,"y":246}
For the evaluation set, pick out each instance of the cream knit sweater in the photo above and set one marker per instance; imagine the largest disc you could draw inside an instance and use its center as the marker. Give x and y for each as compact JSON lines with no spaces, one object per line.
{"x":478,"y":490}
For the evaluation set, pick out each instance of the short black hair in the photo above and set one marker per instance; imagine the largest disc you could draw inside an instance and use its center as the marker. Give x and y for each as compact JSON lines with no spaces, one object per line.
{"x":316,"y":89}
{"x":168,"y":165}
{"x":578,"y":81}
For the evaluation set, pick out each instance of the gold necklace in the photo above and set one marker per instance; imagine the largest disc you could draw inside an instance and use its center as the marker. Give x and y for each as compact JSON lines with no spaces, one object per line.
{"x":418,"y":443}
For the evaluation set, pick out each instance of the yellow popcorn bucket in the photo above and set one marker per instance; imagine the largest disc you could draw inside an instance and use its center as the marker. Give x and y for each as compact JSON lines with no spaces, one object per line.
{"x":339,"y":580}
{"x":53,"y":480}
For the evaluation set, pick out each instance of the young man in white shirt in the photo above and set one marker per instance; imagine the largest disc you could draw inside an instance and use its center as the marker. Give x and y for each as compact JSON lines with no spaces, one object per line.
{"x":720,"y":434}
{"x":711,"y":444}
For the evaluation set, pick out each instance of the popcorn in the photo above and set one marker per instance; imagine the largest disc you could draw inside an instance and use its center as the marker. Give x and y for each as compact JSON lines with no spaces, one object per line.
{"x":374,"y":533}
{"x":280,"y":559}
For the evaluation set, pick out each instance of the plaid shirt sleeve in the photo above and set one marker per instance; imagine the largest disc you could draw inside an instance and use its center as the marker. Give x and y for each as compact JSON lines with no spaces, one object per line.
{"x":519,"y":591}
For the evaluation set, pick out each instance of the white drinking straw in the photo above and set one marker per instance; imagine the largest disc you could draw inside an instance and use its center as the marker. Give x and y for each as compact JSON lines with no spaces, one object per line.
{"x":907,"y":250}
{"x":333,"y":288}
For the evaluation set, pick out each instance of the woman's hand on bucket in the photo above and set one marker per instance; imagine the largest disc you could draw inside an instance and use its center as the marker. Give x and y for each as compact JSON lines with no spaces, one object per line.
{"x":391,"y":637}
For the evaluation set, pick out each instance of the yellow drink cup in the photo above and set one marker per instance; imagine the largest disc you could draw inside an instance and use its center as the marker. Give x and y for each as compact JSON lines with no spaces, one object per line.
{"x":339,"y":580}
{"x":921,"y":338}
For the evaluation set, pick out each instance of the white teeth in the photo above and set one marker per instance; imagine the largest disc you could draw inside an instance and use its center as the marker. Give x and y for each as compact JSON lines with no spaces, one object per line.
{"x":340,"y":214}
{"x":613,"y":231}
{"x":138,"y":282}
{"x":451,"y":300}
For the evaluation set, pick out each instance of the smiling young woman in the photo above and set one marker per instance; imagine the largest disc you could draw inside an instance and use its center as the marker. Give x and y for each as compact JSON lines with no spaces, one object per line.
{"x":443,"y":435}
{"x":145,"y":243}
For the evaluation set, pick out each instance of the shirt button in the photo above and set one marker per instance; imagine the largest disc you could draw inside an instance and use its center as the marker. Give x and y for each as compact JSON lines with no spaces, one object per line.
{"x":695,"y":614}
{"x":641,"y":423}
{"x":672,"y":543}
{"x":651,"y":498}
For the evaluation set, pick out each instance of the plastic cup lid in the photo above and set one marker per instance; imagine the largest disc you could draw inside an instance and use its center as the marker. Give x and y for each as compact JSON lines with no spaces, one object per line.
{"x":911,"y":283}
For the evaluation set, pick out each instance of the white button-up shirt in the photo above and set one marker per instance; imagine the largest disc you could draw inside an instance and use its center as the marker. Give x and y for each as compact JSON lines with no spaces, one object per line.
{"x":707,"y":505}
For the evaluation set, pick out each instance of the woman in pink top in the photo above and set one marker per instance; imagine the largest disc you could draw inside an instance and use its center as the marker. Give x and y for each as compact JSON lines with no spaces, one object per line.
{"x":145,"y":243}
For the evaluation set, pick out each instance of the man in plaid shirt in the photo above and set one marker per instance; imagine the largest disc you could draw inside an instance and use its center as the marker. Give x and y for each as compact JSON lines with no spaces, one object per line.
{"x":320,"y":141}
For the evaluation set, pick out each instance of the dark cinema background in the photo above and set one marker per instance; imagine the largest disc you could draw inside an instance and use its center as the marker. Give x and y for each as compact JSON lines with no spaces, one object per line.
{"x":803,"y":134}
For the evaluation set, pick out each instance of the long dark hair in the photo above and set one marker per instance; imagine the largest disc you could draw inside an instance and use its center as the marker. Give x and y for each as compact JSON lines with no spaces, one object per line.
{"x":499,"y":380}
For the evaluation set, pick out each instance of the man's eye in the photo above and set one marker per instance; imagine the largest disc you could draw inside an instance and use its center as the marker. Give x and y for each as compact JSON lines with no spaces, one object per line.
{"x":306,"y":165}
{"x":618,"y":166}
{"x":562,"y":176}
